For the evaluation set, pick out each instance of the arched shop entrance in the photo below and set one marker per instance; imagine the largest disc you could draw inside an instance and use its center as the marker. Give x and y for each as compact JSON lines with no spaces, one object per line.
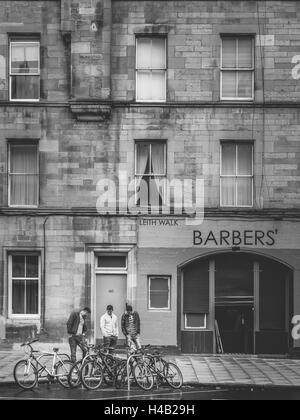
{"x":236,"y":302}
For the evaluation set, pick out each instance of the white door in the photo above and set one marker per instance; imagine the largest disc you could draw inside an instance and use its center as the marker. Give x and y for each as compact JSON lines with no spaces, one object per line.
{"x":110,"y":290}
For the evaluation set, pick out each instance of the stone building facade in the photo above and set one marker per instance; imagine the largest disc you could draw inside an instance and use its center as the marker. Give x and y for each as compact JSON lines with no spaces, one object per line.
{"x":197,"y":81}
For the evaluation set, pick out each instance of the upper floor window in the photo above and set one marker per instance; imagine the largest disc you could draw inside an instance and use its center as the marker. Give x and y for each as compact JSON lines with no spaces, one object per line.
{"x":24,"y":71}
{"x":23,"y":174}
{"x":236,"y":174}
{"x":24,"y":285}
{"x":151,"y":69}
{"x":150,"y":173}
{"x":237,"y":68}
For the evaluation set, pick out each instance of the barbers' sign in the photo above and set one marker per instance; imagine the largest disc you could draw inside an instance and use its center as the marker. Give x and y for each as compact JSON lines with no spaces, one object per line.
{"x":235,"y":238}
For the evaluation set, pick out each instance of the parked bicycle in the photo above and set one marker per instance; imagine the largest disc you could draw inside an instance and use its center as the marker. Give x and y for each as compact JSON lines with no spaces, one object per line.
{"x":28,"y":372}
{"x":149,"y":368}
{"x":74,"y":378}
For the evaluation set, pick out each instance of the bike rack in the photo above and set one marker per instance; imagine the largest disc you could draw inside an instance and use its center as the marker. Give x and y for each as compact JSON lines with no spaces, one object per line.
{"x":128,"y":373}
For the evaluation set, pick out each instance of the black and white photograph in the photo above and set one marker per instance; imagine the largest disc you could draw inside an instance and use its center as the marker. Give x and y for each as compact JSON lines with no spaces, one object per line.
{"x":149,"y":202}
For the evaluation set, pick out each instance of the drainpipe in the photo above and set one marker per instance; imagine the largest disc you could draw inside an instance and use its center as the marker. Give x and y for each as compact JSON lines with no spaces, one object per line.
{"x":44,"y":277}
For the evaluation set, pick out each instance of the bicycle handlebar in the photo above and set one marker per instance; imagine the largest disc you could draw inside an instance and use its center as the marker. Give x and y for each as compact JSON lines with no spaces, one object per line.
{"x":28,"y":343}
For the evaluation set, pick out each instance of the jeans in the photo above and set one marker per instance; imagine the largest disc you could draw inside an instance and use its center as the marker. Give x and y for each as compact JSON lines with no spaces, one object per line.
{"x":74,"y":341}
{"x":133,"y":342}
{"x":110,"y":343}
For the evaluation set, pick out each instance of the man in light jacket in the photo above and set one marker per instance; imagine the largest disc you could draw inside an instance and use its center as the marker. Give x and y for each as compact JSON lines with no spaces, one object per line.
{"x":109,"y":328}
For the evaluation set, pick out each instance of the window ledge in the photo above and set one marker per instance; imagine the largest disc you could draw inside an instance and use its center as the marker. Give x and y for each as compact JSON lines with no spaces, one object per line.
{"x":86,"y":110}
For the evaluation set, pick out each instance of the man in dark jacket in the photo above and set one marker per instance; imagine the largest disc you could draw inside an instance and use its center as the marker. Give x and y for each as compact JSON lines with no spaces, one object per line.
{"x":131,"y":328}
{"x":77,"y":328}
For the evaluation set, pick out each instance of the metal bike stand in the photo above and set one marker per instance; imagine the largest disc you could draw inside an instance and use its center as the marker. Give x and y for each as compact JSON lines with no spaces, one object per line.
{"x":128,"y":373}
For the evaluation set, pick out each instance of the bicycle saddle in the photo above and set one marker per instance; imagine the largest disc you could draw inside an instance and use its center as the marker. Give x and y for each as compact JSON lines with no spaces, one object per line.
{"x":55,"y":349}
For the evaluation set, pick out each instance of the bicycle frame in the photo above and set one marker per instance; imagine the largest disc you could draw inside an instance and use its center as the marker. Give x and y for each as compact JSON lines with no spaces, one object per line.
{"x":35,"y":361}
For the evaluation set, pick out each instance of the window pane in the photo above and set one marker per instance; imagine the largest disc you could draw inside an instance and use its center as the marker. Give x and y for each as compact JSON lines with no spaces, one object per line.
{"x":229,"y":84}
{"x":25,"y":87}
{"x":32,"y":297}
{"x":158,"y":56}
{"x":229,"y":53}
{"x":144,"y":86}
{"x":228,"y":159}
{"x":143,"y":156}
{"x":227,"y":191}
{"x":244,"y":84}
{"x":18,"y":265}
{"x":159,"y":284}
{"x":112,"y":261}
{"x":245,"y":159}
{"x":24,"y":190}
{"x":18,"y":296}
{"x":195,"y":320}
{"x":158,"y":86}
{"x":158,"y":158}
{"x":245,"y":53}
{"x":23,"y":159}
{"x":32,"y":266}
{"x":159,"y":293}
{"x":143,"y":53}
{"x":244,"y":191}
{"x":25,"y":58}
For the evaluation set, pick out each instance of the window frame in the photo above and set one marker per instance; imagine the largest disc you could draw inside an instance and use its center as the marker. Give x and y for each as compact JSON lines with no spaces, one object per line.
{"x":9,"y":174}
{"x":11,"y":315}
{"x":137,"y":70}
{"x":137,"y":176}
{"x":166,"y":277}
{"x":236,"y":176}
{"x":237,"y":69}
{"x":195,"y":328}
{"x":38,"y":73}
{"x":110,"y":269}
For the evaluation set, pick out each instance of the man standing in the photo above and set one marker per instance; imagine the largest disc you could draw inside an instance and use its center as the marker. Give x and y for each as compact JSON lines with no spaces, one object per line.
{"x":131,"y":328}
{"x":77,"y":328}
{"x":109,"y":328}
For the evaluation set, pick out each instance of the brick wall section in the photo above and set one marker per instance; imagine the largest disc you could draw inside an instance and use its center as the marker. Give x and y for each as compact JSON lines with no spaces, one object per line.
{"x":43,"y":17}
{"x":65,"y":257}
{"x":193,"y":31}
{"x":74,"y":156}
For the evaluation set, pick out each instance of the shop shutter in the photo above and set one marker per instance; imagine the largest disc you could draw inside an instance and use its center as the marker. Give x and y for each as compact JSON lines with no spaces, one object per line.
{"x":196,"y":288}
{"x":272,"y":292}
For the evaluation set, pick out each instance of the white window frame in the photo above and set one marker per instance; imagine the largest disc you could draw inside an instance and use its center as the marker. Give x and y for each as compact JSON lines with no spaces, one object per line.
{"x":168,"y":308}
{"x":236,"y":176}
{"x":237,"y":70}
{"x":159,"y":176}
{"x":10,"y":174}
{"x":137,"y":70}
{"x":38,"y":73}
{"x":111,"y":269}
{"x":195,"y":328}
{"x":10,"y":280}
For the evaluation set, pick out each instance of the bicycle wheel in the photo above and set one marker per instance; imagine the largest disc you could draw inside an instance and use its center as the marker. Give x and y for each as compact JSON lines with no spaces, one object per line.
{"x":25,"y":374}
{"x":173,"y":375}
{"x":91,"y":375}
{"x":143,"y":376}
{"x":74,"y":375}
{"x":62,"y":372}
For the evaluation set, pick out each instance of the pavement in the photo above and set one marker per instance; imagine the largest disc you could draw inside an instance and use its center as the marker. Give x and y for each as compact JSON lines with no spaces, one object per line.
{"x":201,"y":370}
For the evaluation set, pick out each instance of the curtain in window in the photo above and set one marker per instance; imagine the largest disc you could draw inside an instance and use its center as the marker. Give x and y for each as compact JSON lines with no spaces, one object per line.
{"x":23,"y":175}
